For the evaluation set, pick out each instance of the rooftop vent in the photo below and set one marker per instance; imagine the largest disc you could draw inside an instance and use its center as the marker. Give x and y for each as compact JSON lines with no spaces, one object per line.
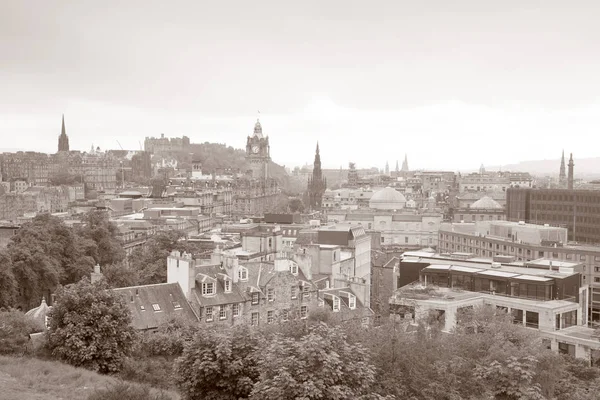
{"x":496,"y":265}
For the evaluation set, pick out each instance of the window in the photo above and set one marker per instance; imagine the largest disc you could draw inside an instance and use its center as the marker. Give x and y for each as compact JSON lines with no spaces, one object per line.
{"x":352,"y":302}
{"x":305,"y":291}
{"x":294,"y":269}
{"x":270,"y":317}
{"x":336,"y":304}
{"x":156,"y":307}
{"x":222,"y":312}
{"x":270,"y":242}
{"x":227,"y":286}
{"x":255,"y":298}
{"x":209,"y":313}
{"x":334,"y":256}
{"x":235,"y":310}
{"x":254,"y":320}
{"x":208,"y":288}
{"x":176,"y":305}
{"x":270,"y":294}
{"x":294,"y":292}
{"x":243,"y":274}
{"x":285,"y":315}
{"x":303,"y":312}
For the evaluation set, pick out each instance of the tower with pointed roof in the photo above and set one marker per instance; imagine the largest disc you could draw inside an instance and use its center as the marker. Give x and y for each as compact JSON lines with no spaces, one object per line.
{"x":316,"y":184}
{"x":397,"y":167}
{"x":387,"y":168}
{"x":63,"y":139}
{"x":562,"y":176}
{"x":258,"y":153}
{"x":570,"y":177}
{"x":405,"y":164}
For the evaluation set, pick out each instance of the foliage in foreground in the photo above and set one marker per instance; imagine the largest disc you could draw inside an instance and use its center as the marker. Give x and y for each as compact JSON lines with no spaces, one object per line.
{"x":15,"y":328}
{"x":90,"y":327}
{"x":127,"y":391}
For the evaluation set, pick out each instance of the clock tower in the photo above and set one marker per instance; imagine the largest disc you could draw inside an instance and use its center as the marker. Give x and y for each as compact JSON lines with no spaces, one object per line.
{"x":258,"y":153}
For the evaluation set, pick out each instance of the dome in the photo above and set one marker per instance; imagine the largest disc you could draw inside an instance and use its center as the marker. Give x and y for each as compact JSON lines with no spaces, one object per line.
{"x":39,"y":313}
{"x":486,"y":203}
{"x":387,"y":199}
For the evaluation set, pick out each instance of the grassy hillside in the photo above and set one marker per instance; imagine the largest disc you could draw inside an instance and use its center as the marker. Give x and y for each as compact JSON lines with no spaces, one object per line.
{"x":25,"y":378}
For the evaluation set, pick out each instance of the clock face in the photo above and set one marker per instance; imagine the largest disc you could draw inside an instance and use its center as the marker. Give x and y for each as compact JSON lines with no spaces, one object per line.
{"x":255,"y":149}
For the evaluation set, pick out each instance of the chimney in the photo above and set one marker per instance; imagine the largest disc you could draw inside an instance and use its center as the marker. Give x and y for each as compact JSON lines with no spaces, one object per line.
{"x":570,"y":178}
{"x":96,"y":275}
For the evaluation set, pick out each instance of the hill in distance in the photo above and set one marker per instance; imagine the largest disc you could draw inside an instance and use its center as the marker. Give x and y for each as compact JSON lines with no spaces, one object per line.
{"x":586,"y":168}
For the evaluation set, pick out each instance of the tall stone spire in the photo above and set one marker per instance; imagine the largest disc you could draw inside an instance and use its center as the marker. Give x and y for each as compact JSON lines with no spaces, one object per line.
{"x":63,"y":139}
{"x":397,"y":167}
{"x":405,"y":164}
{"x":562,"y":176}
{"x":570,"y":178}
{"x":316,"y":183}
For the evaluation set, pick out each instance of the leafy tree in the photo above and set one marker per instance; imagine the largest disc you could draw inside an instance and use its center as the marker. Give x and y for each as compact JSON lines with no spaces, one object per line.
{"x":15,"y":328}
{"x":150,"y":261}
{"x":219,"y":365}
{"x":90,"y":327}
{"x":44,"y":253}
{"x":296,"y":205}
{"x":102,"y":245}
{"x":120,"y":275}
{"x":8,"y":283}
{"x":320,"y":365}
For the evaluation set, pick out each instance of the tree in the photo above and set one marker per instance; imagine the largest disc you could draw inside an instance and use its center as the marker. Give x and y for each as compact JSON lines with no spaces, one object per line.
{"x":219,"y":365}
{"x":44,"y":253}
{"x":15,"y":328}
{"x":8,"y":283}
{"x":296,"y":205}
{"x":120,"y":275}
{"x":320,"y":365}
{"x":103,"y":245}
{"x":90,"y":327}
{"x":150,"y":261}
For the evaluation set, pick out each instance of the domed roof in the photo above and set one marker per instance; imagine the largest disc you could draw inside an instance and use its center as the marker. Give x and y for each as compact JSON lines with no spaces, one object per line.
{"x":387,"y":199}
{"x":486,"y":203}
{"x":39,"y":313}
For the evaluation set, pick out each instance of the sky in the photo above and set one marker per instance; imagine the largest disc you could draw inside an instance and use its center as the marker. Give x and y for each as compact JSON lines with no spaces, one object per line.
{"x":452,"y":84}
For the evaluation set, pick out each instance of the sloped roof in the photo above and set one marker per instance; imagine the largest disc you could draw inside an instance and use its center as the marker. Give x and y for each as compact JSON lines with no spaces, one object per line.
{"x":169,"y":297}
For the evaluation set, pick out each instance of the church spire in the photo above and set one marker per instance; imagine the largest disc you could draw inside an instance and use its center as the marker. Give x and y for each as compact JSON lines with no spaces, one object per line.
{"x":63,"y":139}
{"x":562,"y":176}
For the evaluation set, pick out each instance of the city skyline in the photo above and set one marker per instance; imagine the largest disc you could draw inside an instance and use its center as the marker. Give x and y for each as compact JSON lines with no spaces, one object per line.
{"x":454,"y":87}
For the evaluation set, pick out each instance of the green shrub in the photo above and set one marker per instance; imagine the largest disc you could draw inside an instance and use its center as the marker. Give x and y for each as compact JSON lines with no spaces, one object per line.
{"x":127,"y":391}
{"x":154,"y":371}
{"x":15,"y":328}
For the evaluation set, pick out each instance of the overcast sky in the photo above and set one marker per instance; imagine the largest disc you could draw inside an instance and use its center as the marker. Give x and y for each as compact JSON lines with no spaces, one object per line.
{"x":451,"y":83}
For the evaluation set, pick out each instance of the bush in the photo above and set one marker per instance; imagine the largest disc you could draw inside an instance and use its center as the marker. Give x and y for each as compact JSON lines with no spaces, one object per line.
{"x":15,"y":328}
{"x":90,"y":327}
{"x":169,"y":340}
{"x":127,"y":391}
{"x":154,"y":371}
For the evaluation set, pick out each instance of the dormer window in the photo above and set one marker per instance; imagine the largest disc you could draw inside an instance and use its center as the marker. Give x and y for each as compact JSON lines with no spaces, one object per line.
{"x":294,"y":269}
{"x":255,"y":298}
{"x":336,"y":304}
{"x":352,"y":302}
{"x":227,"y":285}
{"x":208,"y":288}
{"x":156,"y":307}
{"x":243,"y":274}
